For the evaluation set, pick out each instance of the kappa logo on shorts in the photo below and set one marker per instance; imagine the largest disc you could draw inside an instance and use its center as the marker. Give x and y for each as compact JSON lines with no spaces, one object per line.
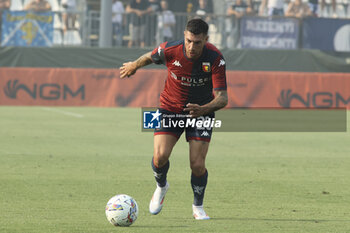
{"x":205,"y":134}
{"x":151,"y":119}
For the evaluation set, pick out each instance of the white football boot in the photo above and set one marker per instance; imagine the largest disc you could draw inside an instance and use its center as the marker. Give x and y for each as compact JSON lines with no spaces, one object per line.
{"x":156,"y":204}
{"x":199,"y":213}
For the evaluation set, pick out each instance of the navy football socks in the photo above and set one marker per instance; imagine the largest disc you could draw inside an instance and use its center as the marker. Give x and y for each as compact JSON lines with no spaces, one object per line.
{"x":160,"y":173}
{"x":198,"y":186}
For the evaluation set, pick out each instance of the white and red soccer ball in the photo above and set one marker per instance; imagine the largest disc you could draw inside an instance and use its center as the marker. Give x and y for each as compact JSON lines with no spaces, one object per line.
{"x":122,"y":210}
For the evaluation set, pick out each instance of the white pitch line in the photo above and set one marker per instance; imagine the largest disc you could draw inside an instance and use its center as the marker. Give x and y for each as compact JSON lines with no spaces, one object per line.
{"x":64,"y":112}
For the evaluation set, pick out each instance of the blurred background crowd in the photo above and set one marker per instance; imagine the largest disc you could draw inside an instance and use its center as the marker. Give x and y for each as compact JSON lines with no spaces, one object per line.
{"x":146,"y":23}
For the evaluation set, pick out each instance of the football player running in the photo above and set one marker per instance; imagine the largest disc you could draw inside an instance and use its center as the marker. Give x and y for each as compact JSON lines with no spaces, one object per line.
{"x":196,"y":86}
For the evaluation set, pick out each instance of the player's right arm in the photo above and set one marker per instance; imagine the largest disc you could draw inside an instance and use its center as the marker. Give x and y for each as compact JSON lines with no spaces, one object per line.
{"x":157,"y":56}
{"x":128,"y":69}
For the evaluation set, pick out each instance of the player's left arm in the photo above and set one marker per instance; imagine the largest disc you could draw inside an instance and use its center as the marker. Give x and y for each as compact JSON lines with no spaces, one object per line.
{"x":219,"y":102}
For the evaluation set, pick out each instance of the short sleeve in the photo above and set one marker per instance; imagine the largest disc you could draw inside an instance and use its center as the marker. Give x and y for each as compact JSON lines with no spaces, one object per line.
{"x":158,"y":54}
{"x":219,"y":74}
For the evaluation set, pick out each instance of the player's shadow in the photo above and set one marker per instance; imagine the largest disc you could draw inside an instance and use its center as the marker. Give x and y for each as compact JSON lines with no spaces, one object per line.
{"x":281,"y":220}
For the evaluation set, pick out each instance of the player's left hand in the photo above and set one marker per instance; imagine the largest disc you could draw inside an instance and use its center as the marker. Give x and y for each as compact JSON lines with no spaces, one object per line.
{"x":195,"y":110}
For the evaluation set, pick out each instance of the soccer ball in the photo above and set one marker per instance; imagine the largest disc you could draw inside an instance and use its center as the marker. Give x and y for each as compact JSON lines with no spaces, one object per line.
{"x":122,"y":210}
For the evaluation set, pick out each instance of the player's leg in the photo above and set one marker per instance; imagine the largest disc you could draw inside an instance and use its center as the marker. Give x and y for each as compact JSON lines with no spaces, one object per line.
{"x":163,"y":145}
{"x":199,"y":139}
{"x":199,"y":177}
{"x":198,"y":153}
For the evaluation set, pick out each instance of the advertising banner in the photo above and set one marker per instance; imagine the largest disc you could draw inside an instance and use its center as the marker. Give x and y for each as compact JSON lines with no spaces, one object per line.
{"x":24,"y":28}
{"x":258,"y":89}
{"x":79,"y":87}
{"x":104,"y":88}
{"x":269,"y":33}
{"x":326,"y":34}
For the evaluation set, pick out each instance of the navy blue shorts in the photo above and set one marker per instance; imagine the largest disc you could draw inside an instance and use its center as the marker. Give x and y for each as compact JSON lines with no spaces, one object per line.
{"x":176,"y":123}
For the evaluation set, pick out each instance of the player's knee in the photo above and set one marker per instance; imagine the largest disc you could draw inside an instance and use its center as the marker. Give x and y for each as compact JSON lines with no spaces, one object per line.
{"x":198,"y":168}
{"x":160,"y":157}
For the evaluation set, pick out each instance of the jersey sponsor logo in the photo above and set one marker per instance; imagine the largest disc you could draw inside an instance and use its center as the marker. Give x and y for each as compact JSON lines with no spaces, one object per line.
{"x":222,"y":63}
{"x":206,"y":66}
{"x":159,"y":50}
{"x":194,"y":82}
{"x":177,"y":63}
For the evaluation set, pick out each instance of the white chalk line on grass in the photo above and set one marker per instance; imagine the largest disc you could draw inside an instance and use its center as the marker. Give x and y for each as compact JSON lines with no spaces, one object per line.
{"x":77,"y":115}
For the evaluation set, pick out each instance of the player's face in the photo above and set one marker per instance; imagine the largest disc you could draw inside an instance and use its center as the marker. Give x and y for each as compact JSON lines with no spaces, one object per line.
{"x":194,"y":44}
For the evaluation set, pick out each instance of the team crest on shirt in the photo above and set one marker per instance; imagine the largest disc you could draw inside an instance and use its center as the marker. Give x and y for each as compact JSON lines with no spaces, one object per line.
{"x":206,"y":66}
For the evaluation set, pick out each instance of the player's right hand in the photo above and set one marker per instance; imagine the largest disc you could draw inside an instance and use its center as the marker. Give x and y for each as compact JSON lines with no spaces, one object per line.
{"x":127,"y":69}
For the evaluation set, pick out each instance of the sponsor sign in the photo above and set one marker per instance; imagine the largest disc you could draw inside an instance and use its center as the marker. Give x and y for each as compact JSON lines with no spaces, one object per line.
{"x":269,"y":33}
{"x":104,"y":88}
{"x":326,"y":34}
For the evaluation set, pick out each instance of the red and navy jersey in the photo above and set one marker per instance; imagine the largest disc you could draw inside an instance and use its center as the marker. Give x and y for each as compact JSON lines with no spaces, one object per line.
{"x":189,"y":81}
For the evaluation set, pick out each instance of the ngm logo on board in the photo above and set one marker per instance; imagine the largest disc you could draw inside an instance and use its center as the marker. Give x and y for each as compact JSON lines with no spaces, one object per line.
{"x":44,"y":91}
{"x":154,"y":119}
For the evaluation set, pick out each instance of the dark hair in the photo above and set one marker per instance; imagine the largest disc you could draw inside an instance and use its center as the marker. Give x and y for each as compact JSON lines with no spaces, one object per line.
{"x":197,"y":26}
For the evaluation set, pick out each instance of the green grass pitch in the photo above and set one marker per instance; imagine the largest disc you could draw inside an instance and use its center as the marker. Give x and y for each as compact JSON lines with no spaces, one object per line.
{"x":59,"y":167}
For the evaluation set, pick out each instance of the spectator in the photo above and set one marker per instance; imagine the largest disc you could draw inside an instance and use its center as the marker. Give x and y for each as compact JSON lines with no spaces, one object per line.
{"x":191,"y":6}
{"x":117,"y":20}
{"x":203,"y":8}
{"x":334,"y":7}
{"x":150,"y":40}
{"x":4,"y":5}
{"x":138,"y":9}
{"x":166,"y":20}
{"x":38,"y":5}
{"x":313,"y":5}
{"x":274,"y":7}
{"x":237,"y":10}
{"x":68,"y":16}
{"x":155,"y":4}
{"x":183,"y":6}
{"x":298,"y":9}
{"x":240,"y":8}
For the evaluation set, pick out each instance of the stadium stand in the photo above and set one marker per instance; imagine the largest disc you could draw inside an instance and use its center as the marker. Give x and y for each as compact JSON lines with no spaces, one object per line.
{"x":16,"y":5}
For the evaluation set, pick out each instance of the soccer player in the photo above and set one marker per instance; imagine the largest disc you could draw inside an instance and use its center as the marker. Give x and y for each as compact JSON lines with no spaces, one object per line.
{"x":196,"y":85}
